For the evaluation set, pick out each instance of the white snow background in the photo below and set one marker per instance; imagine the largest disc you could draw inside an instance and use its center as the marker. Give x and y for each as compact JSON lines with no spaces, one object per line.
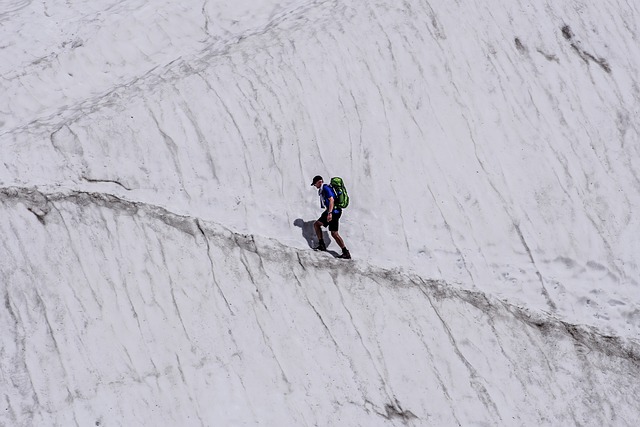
{"x":156,"y":214}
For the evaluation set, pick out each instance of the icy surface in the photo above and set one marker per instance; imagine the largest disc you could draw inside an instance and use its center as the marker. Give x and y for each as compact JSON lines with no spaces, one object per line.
{"x":155,"y":160}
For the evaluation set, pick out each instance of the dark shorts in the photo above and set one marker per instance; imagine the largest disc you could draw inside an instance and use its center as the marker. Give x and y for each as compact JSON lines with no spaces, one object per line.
{"x":335,"y":220}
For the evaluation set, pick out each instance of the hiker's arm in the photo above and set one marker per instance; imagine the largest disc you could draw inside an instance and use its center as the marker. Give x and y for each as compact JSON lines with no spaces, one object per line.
{"x":330,"y":205}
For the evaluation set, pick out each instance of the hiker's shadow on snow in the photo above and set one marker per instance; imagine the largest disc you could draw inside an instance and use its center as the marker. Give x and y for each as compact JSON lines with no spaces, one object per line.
{"x":309,"y":234}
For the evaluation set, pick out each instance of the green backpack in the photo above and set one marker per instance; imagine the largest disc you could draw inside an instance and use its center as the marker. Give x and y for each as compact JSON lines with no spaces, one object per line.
{"x":342,"y":197}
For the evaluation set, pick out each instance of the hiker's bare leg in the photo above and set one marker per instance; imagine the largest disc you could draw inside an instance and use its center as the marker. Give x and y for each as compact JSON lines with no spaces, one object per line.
{"x":318,"y":227}
{"x":338,"y":239}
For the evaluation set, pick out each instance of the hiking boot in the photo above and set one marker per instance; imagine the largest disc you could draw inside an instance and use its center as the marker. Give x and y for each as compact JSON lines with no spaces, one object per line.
{"x":321,"y":247}
{"x":345,"y":254}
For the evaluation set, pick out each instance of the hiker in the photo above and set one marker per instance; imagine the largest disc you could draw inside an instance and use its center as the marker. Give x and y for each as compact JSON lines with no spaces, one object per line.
{"x":330,"y":217}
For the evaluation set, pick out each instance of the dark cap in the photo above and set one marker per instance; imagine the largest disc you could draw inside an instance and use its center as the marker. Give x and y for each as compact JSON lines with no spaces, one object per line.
{"x":316,"y":179}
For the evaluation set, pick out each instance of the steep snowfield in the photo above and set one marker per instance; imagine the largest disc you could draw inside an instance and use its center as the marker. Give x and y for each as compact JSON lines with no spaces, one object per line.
{"x":179,"y":321}
{"x":491,"y":151}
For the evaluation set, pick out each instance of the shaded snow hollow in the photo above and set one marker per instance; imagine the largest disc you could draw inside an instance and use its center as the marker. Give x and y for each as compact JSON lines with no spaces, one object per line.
{"x":155,"y":161}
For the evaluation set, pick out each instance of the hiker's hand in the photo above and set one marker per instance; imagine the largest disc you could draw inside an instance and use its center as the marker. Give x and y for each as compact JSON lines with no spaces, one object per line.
{"x":329,"y":216}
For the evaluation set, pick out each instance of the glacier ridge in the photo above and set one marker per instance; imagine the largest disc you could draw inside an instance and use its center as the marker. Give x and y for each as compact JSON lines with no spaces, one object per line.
{"x":184,"y":321}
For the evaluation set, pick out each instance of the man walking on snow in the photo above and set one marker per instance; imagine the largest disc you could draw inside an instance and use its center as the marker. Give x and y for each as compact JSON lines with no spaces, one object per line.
{"x":330,"y":217}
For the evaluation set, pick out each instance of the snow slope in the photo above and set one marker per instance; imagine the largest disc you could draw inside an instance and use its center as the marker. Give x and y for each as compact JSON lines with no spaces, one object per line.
{"x":179,"y":321}
{"x":491,"y":153}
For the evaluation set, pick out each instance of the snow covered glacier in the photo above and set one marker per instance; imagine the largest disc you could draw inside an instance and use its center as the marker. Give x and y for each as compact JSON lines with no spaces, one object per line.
{"x":154,"y":184}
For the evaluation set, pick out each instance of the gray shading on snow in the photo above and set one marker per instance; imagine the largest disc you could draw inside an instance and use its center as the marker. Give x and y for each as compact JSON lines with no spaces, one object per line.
{"x":226,"y":321}
{"x":156,"y":214}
